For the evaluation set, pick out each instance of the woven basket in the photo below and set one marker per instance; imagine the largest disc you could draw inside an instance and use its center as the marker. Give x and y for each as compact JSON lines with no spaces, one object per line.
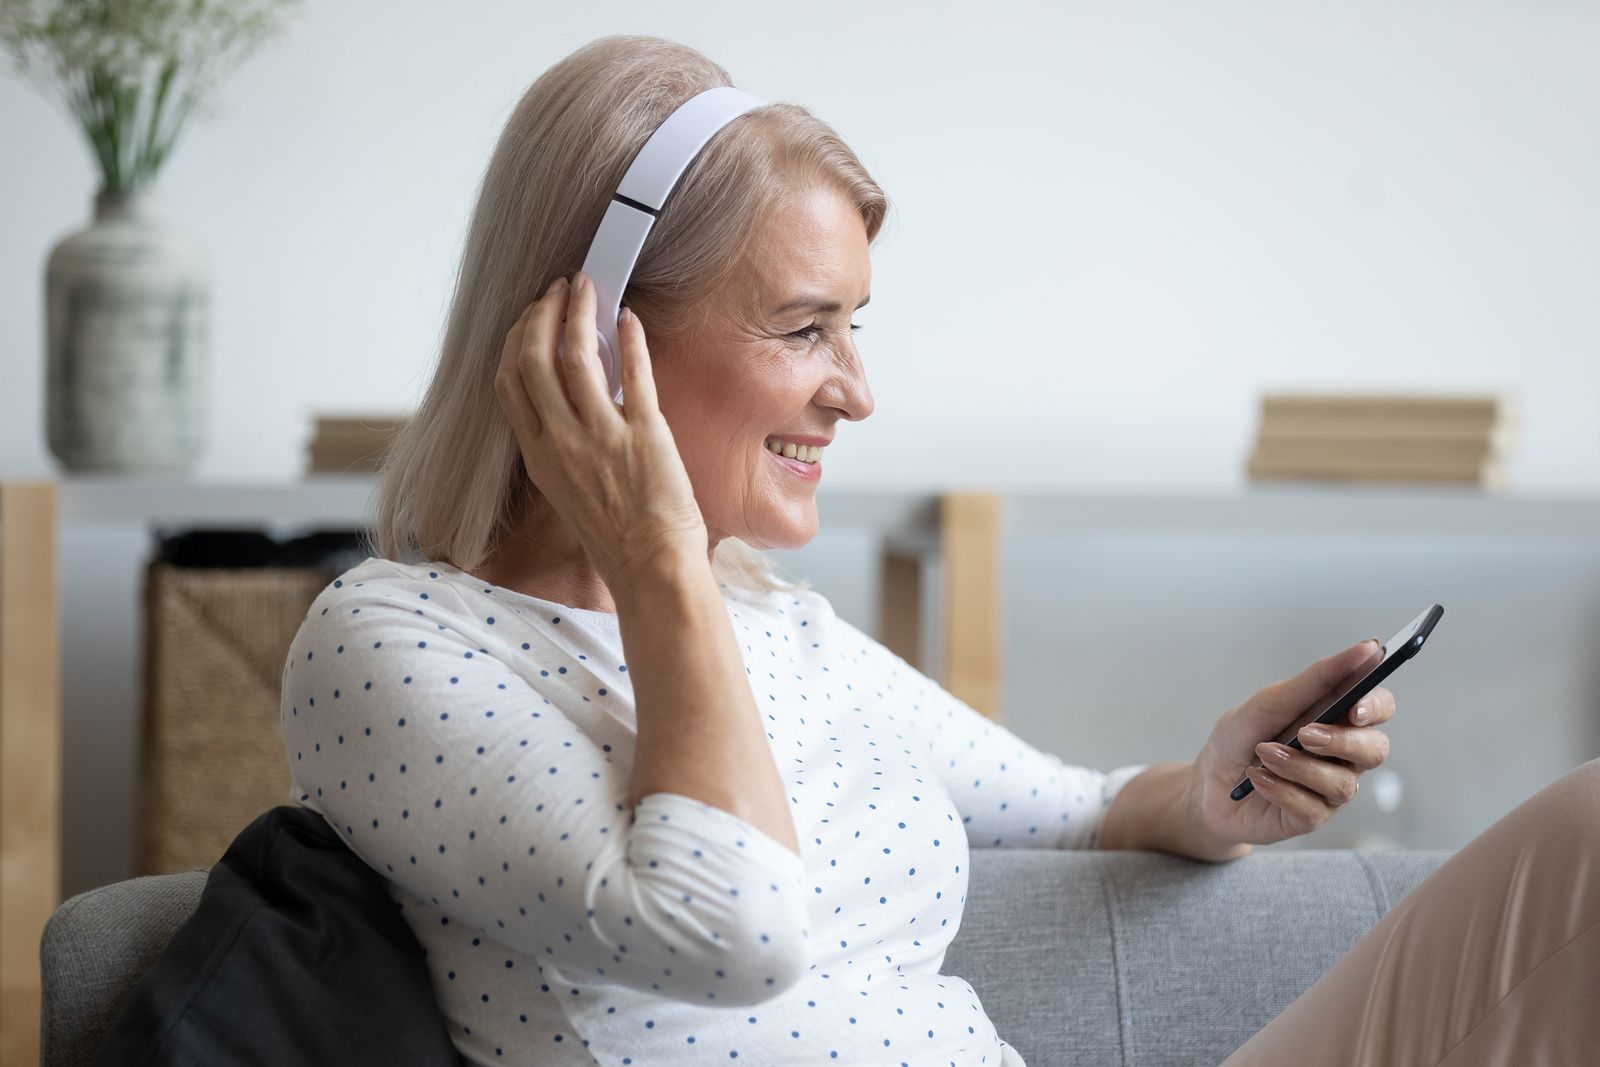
{"x":213,"y":757}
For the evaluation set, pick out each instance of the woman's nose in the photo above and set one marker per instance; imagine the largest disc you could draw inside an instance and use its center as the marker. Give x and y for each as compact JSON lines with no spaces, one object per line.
{"x":853,"y":395}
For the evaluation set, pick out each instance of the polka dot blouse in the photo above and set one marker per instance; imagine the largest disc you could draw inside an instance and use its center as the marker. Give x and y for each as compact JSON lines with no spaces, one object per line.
{"x":474,"y":744}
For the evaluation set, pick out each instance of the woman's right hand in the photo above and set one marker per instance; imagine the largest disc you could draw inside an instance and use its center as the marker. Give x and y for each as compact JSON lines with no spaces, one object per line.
{"x":613,"y":474}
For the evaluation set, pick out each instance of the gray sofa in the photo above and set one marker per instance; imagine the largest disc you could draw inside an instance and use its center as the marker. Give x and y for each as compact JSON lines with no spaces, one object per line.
{"x":1080,"y":958}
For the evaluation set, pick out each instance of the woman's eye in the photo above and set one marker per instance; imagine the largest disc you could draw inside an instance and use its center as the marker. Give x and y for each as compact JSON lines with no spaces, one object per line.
{"x":809,"y":333}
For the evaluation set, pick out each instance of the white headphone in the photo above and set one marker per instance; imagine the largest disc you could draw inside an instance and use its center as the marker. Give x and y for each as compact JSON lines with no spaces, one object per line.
{"x":638,"y":200}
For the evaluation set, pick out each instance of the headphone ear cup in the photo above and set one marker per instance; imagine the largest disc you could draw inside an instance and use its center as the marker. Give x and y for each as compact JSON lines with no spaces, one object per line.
{"x":609,"y":362}
{"x":612,"y":362}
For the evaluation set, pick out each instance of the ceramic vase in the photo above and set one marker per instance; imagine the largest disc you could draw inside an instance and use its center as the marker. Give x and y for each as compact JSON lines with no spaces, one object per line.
{"x":127,"y":305}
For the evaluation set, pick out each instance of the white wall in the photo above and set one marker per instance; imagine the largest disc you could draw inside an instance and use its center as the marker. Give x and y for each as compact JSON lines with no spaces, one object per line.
{"x":1116,"y":222}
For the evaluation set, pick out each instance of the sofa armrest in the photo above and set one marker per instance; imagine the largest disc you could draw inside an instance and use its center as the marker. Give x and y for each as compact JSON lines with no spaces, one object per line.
{"x":1100,"y":958}
{"x":95,"y":949}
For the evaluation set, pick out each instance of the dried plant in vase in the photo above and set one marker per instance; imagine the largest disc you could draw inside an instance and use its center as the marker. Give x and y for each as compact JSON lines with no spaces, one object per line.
{"x":127,"y":298}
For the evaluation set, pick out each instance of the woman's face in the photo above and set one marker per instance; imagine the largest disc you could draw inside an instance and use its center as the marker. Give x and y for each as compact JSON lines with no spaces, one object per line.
{"x":774,"y":358}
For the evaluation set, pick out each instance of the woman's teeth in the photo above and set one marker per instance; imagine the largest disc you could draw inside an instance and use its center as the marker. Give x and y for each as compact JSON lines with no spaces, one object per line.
{"x":803,"y":453}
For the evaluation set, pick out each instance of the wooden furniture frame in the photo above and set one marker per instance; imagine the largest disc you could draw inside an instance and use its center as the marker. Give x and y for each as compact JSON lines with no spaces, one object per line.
{"x":30,"y":756}
{"x":964,"y":545}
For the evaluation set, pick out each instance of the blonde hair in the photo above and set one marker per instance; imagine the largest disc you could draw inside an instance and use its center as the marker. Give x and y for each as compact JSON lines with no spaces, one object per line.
{"x":452,"y":481}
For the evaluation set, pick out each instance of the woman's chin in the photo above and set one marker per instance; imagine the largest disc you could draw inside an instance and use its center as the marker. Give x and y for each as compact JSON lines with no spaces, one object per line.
{"x":793,"y":525}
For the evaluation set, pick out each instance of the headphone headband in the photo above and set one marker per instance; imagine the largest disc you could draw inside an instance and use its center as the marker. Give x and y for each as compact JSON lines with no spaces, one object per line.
{"x":639,"y":199}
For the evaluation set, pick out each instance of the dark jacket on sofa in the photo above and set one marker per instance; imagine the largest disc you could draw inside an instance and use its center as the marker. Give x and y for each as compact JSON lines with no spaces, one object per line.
{"x":295,"y":955}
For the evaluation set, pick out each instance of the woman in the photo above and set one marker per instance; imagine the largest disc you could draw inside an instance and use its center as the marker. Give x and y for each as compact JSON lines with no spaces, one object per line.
{"x":643,"y":801}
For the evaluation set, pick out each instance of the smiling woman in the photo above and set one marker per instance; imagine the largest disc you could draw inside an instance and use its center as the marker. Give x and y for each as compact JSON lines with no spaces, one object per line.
{"x":556,"y":755}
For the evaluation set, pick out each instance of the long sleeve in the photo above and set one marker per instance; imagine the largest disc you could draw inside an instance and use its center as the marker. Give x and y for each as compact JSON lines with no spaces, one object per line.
{"x":455,"y":771}
{"x":1009,"y":793}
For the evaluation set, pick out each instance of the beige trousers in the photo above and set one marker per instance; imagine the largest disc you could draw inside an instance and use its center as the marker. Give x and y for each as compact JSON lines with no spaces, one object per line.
{"x":1494,"y":958}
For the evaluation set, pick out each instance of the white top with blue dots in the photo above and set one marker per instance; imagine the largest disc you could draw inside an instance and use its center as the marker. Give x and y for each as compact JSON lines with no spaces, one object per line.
{"x":474,"y":745}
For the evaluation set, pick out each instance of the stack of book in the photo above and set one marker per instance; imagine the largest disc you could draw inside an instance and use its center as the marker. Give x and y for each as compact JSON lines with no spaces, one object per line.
{"x":1382,"y":438}
{"x":351,"y":444}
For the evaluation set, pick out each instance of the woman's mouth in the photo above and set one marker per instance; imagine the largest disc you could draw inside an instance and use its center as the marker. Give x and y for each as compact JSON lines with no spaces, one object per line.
{"x":790,"y":450}
{"x":802,"y":460}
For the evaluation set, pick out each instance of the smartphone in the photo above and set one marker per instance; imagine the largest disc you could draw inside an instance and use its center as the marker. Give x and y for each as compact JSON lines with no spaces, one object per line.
{"x":1401,"y":647}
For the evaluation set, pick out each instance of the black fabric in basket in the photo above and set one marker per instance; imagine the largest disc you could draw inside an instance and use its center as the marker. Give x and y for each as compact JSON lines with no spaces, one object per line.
{"x":294,"y":955}
{"x":333,"y":550}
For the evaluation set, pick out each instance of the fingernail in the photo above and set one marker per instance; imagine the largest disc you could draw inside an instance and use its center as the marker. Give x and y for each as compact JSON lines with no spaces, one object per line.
{"x":555,"y":285}
{"x":624,"y":315}
{"x":1361,"y":715}
{"x":1263,"y":777}
{"x":1315,"y":735}
{"x":1273,"y":750}
{"x":577,"y":282}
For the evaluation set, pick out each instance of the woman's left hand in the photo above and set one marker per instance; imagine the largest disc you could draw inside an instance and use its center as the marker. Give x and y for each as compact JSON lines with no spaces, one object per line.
{"x":1294,"y":792}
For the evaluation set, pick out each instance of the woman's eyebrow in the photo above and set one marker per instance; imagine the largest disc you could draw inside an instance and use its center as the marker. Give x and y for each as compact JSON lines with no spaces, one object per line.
{"x":817,"y":303}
